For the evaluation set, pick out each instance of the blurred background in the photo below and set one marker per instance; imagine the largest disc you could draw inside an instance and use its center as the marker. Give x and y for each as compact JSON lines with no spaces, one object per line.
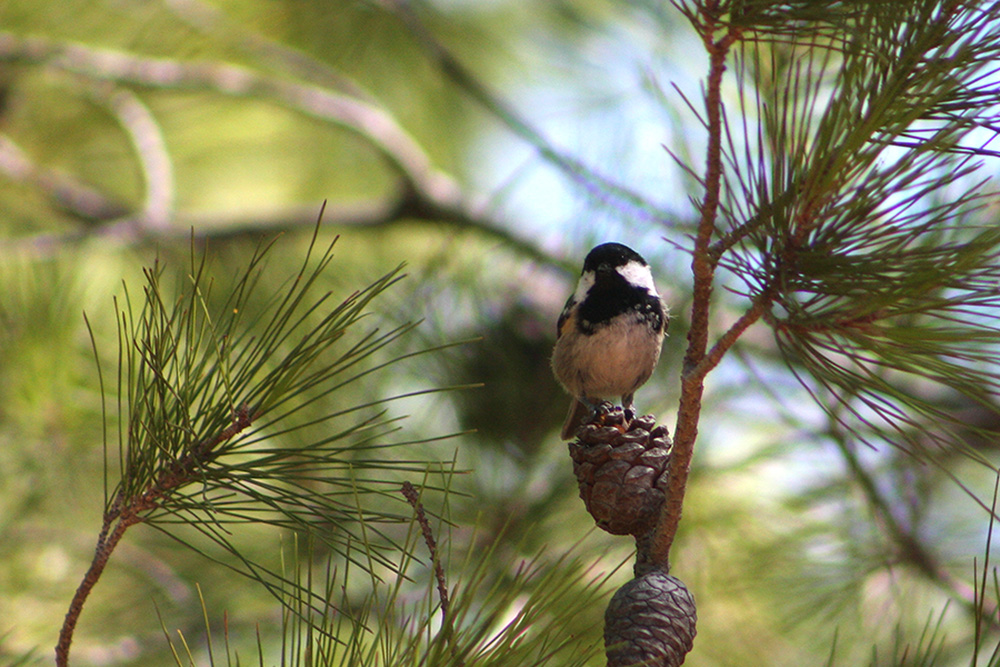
{"x":488,"y":145}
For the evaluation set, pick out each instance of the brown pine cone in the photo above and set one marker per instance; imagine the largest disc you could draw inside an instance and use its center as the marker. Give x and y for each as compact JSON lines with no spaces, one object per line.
{"x":650,"y":621}
{"x":621,"y":469}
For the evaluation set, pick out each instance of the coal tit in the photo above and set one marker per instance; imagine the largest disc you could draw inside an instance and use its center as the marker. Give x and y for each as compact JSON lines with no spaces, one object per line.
{"x":609,"y":333}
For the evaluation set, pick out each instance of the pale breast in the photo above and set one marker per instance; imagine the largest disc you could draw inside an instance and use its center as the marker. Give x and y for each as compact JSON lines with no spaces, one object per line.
{"x":613,"y":361}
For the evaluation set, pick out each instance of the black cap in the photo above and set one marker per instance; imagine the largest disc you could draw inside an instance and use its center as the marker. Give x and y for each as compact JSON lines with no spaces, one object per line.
{"x":611,"y":255}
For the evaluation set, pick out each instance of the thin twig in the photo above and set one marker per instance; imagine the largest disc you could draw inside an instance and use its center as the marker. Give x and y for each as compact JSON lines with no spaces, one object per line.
{"x":412,"y":497}
{"x":757,"y":309}
{"x":601,"y":187}
{"x":911,"y":549}
{"x":226,"y":226}
{"x":150,"y":149}
{"x":274,"y":55}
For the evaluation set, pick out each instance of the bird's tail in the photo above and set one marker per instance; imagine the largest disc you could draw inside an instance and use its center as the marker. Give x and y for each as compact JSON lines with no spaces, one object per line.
{"x":577,"y":412}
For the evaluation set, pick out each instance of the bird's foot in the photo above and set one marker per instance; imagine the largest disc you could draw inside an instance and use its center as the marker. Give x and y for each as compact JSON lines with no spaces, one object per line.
{"x":605,"y":413}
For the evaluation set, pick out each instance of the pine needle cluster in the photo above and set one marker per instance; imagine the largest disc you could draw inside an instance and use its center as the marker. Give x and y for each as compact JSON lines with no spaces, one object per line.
{"x":210,"y":390}
{"x":857,"y":208}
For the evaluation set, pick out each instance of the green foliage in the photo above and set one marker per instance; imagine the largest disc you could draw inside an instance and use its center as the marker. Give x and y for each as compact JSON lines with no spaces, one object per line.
{"x":856,"y":210}
{"x":209,"y":396}
{"x":519,"y":613}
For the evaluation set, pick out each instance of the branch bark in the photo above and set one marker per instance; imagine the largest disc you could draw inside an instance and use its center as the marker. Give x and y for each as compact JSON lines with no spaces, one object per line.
{"x":106,"y":544}
{"x":150,"y":148}
{"x":697,"y":362}
{"x":65,"y":192}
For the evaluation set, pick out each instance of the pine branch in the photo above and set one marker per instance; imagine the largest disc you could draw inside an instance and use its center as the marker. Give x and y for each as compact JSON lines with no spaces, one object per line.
{"x":866,"y":222}
{"x":846,"y":245}
{"x":370,"y":122}
{"x":125,"y":512}
{"x":208,"y":394}
{"x":703,"y":266}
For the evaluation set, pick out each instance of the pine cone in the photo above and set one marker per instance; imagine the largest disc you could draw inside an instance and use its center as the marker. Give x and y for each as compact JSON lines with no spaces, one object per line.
{"x":650,"y":622}
{"x":621,"y":470}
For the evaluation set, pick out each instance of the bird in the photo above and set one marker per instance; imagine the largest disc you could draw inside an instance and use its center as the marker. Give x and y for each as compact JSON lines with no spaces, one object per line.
{"x":609,"y":334}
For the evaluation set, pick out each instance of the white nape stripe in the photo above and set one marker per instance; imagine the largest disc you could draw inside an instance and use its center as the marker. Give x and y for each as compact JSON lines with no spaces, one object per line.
{"x":582,"y":287}
{"x":638,"y":275}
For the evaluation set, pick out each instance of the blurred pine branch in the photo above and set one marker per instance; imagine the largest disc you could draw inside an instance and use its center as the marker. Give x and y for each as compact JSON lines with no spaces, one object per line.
{"x":515,"y":614}
{"x":420,"y":190}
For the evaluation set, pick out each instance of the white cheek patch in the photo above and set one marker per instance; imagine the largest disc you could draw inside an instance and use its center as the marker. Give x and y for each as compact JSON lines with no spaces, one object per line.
{"x":582,"y":287}
{"x":638,"y":275}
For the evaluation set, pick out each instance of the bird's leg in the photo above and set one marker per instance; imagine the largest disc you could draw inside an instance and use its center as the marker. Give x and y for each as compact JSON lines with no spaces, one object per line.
{"x":592,"y":405}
